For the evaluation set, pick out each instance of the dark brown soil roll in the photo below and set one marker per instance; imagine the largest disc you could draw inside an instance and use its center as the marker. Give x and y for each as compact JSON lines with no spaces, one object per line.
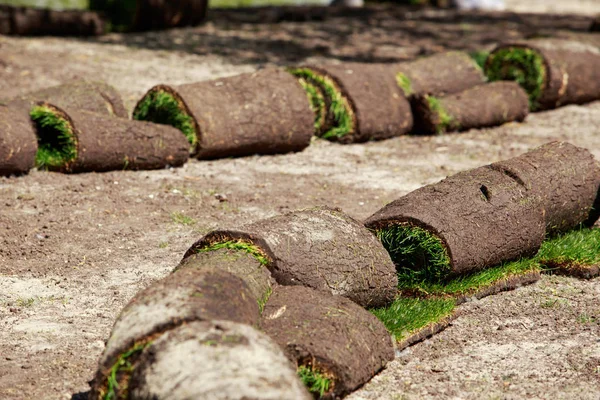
{"x":38,"y":21}
{"x":321,"y":248}
{"x":486,"y":105}
{"x":184,"y":296}
{"x":239,"y":263}
{"x":328,"y":335}
{"x":104,"y":143}
{"x":217,"y":360}
{"x":553,"y":72}
{"x":18,"y":143}
{"x":379,"y":108}
{"x":467,"y":222}
{"x":266,"y":112}
{"x":439,"y":74}
{"x":97,"y":97}
{"x":567,"y":180}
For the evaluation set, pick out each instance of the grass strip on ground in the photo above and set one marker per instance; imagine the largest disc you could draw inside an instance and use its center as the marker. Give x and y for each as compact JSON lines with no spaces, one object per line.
{"x":577,"y":248}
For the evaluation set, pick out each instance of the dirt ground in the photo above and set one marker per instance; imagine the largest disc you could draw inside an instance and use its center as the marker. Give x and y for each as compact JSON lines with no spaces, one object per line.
{"x":74,"y":249}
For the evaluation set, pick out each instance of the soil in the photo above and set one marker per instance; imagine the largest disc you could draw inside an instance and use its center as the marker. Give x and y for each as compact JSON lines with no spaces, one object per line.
{"x":74,"y":249}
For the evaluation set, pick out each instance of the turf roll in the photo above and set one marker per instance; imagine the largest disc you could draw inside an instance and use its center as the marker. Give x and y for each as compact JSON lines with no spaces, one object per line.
{"x":219,"y":360}
{"x":70,"y":140}
{"x":503,"y":102}
{"x":355,"y":102}
{"x":565,"y":177}
{"x":553,"y":72}
{"x":321,"y":248}
{"x":94,"y":96}
{"x":39,"y":21}
{"x":439,"y":74}
{"x":336,"y":344}
{"x":183,"y":297}
{"x":18,"y":143}
{"x":265,"y":112}
{"x":467,"y":222}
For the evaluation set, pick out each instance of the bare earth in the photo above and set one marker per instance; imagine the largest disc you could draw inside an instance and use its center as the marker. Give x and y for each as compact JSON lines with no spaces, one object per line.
{"x":75,"y":249}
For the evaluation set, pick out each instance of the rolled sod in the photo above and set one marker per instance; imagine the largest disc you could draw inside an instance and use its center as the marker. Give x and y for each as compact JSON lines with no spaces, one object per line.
{"x":328,"y":337}
{"x":218,"y":360}
{"x":553,"y":72}
{"x":18,"y":143}
{"x":356,"y":102}
{"x":467,"y":222}
{"x":38,"y":21}
{"x":237,"y":259}
{"x":439,"y":74}
{"x":97,"y":97}
{"x":565,"y":177}
{"x":265,"y":112}
{"x":183,"y":297}
{"x":143,"y":15}
{"x":321,"y":248}
{"x":70,"y":140}
{"x":502,"y":102}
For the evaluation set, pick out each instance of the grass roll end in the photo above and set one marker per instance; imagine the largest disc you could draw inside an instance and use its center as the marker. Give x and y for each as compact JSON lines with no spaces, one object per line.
{"x":317,"y":383}
{"x":57,"y":144}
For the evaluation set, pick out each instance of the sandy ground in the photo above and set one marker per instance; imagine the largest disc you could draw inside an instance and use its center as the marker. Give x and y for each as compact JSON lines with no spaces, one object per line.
{"x":75,"y":249}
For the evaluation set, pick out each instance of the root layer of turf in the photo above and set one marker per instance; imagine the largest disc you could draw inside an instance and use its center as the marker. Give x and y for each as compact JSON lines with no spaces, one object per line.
{"x":339,"y":108}
{"x":162,"y":107}
{"x":316,"y":382}
{"x":525,"y":66}
{"x":56,"y":142}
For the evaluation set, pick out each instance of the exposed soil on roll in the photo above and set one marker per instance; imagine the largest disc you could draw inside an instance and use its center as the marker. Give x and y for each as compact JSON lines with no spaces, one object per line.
{"x":18,"y":143}
{"x":565,"y":177}
{"x":185,"y":296}
{"x":321,"y":248}
{"x":486,"y":105}
{"x":329,"y":334}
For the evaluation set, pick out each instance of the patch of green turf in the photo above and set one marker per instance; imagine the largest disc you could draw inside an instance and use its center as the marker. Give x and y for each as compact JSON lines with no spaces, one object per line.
{"x":123,"y":365}
{"x":406,"y":316}
{"x":525,"y":66}
{"x":480,"y":58}
{"x":404,"y":83}
{"x":576,"y":248}
{"x":417,"y":253}
{"x":317,"y":102}
{"x":56,"y":143}
{"x":446,"y":119}
{"x":162,"y":107}
{"x":339,"y":107}
{"x":316,"y":382}
{"x":239,"y":245}
{"x":263,"y":301}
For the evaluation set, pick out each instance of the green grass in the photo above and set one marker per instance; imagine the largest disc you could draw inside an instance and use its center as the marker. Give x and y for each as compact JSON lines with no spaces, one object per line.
{"x":404,"y":83}
{"x":446,"y":119}
{"x":239,"y":245}
{"x":480,"y":58}
{"x":263,"y":301}
{"x":317,"y":102}
{"x":122,"y":366}
{"x":418,"y":254}
{"x":57,"y":146}
{"x":573,"y":249}
{"x":525,"y":66}
{"x":182,"y":219}
{"x":406,"y":316}
{"x":316,"y":382}
{"x":162,"y":107}
{"x":339,"y":107}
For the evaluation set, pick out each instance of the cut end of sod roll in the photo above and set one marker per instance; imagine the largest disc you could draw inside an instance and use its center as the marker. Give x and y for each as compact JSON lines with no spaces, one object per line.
{"x":524,"y":65}
{"x":339,"y":118}
{"x":162,"y":105}
{"x":317,"y":383}
{"x":57,"y":144}
{"x":419,"y":255}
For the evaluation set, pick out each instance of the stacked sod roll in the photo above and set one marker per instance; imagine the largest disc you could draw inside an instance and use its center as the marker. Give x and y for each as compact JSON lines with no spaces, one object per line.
{"x":489,"y":215}
{"x":191,"y":335}
{"x":481,"y":106}
{"x":73,"y":140}
{"x":552,"y":72}
{"x":18,"y":143}
{"x":265,"y":112}
{"x":37,"y":21}
{"x":355,"y":102}
{"x":320,"y":248}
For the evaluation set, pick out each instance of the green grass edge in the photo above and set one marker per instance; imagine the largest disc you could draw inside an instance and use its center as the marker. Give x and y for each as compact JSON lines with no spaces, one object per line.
{"x":57,"y":146}
{"x":315,"y":381}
